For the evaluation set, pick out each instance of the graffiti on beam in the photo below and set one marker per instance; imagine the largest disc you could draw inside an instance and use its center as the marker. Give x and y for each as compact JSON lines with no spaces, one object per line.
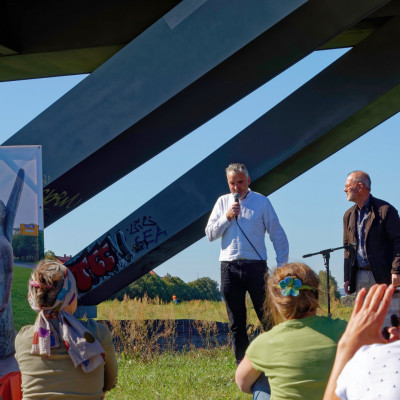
{"x":145,"y":232}
{"x":46,"y":179}
{"x":105,"y":258}
{"x":100,"y":261}
{"x":60,"y":199}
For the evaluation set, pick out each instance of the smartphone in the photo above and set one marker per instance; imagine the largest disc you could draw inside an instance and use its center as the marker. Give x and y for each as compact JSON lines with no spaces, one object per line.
{"x":393,"y":314}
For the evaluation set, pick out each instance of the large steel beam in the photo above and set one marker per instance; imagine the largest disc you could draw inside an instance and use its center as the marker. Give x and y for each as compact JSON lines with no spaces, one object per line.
{"x":195,"y":62}
{"x":350,"y":97}
{"x":45,"y":38}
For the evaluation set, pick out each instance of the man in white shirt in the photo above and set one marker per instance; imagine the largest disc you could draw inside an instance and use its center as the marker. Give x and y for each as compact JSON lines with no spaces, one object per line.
{"x":242,"y":225}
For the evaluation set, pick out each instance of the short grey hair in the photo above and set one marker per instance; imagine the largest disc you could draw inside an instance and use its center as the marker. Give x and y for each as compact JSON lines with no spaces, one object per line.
{"x":361,"y":176}
{"x":237,"y":168}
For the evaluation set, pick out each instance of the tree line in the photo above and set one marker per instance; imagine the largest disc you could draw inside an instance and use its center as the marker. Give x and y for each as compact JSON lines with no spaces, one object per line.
{"x":165,"y":287}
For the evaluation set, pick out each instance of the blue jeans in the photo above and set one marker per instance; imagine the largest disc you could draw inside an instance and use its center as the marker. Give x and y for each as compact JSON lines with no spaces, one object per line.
{"x":261,"y":389}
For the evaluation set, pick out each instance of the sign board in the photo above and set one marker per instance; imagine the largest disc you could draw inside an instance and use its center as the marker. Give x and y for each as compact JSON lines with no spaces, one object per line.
{"x":23,"y":163}
{"x":29,"y":230}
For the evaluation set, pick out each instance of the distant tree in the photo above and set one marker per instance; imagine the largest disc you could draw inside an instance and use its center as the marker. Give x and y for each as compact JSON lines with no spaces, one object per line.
{"x":25,"y":248}
{"x":333,"y":287}
{"x":50,"y":255}
{"x":176,"y":286}
{"x":205,"y":289}
{"x":164,"y":288}
{"x":150,"y":285}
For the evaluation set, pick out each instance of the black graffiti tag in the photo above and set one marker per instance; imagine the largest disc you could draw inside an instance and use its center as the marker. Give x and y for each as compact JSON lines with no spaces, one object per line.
{"x":147,"y":232}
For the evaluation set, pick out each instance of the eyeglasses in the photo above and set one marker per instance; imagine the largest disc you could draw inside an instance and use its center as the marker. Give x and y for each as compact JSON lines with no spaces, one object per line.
{"x":351,"y":185}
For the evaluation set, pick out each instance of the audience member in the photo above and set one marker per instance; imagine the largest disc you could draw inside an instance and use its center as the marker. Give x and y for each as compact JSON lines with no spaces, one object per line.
{"x":59,"y":356}
{"x":296,"y":356}
{"x":367,"y":366}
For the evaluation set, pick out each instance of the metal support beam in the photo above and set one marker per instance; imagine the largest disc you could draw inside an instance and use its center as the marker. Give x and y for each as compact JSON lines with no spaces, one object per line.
{"x":46,"y":39}
{"x":353,"y":95}
{"x":199,"y":59}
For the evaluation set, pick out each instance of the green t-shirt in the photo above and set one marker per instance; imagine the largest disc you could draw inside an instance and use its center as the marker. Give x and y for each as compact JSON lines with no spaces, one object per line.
{"x":297,"y":356}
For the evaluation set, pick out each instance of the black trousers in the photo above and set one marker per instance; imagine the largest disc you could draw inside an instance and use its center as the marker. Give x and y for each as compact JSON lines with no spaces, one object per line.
{"x":237,"y":278}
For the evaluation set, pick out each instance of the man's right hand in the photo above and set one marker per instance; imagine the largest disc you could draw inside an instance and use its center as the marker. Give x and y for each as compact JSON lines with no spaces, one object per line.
{"x":347,"y":287}
{"x":233,"y":211}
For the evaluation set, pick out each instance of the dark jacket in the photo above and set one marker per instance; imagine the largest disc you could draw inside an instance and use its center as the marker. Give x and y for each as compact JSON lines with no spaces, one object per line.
{"x":382,"y":235}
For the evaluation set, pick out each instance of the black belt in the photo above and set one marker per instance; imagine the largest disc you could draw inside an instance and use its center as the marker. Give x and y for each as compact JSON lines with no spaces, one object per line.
{"x":364,"y":268}
{"x":243,"y":261}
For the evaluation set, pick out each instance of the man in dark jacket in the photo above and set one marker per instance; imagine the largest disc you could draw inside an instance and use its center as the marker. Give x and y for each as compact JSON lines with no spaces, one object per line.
{"x":373,"y":227}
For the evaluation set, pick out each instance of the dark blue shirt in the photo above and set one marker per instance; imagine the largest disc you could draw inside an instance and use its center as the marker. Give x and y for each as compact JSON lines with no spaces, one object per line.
{"x":362,"y":216}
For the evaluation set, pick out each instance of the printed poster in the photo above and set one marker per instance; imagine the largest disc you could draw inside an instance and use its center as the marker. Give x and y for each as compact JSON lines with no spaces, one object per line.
{"x":21,"y":200}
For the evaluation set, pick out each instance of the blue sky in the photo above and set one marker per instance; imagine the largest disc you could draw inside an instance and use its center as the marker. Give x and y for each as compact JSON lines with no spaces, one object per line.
{"x":310,"y":208}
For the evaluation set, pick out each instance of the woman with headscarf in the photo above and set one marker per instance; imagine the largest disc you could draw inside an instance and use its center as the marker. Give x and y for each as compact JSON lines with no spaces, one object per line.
{"x":59,"y":356}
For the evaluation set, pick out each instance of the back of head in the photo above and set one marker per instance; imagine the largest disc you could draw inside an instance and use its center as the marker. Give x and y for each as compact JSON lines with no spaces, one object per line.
{"x":46,"y":282}
{"x":279,"y":307}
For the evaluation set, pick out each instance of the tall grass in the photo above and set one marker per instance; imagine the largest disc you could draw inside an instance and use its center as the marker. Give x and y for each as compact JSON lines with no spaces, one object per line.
{"x":152,"y":309}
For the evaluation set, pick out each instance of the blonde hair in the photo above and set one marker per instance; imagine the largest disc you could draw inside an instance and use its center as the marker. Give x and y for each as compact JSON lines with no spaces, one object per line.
{"x":49,"y":275}
{"x":277,"y":307}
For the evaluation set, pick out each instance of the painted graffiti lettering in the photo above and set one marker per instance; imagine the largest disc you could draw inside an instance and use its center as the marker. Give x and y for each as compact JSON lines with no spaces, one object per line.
{"x":139,"y":223}
{"x":46,"y":180}
{"x":146,"y":232}
{"x":60,"y":199}
{"x":147,"y":221}
{"x":83,"y":277}
{"x":102,"y":259}
{"x":96,"y":263}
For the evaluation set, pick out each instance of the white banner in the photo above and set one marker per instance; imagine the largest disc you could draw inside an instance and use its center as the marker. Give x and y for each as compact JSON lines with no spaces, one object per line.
{"x":21,"y":191}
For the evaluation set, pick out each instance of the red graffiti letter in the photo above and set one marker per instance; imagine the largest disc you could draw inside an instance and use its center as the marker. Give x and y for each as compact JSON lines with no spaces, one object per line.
{"x":82,"y":275}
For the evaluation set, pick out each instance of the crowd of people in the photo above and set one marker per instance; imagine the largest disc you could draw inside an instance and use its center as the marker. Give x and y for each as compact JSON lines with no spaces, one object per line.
{"x":299,"y":356}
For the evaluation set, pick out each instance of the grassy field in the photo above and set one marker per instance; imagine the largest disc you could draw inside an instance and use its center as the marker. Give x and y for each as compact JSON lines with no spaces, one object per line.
{"x":23,"y":314}
{"x":144,"y":373}
{"x":147,"y":309}
{"x":194,"y":375}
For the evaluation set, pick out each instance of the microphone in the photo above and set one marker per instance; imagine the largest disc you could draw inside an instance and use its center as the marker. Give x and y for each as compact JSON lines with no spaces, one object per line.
{"x":236,"y":196}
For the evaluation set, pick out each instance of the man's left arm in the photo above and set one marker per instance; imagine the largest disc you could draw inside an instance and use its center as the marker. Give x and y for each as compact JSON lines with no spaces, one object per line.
{"x":276,"y":234}
{"x":392,"y":225}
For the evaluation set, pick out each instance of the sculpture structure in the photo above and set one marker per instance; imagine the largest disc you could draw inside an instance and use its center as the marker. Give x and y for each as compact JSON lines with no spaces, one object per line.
{"x":7,"y":217}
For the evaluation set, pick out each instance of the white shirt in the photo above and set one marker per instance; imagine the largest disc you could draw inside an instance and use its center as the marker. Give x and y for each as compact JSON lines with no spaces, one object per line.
{"x":373,"y":373}
{"x":256,"y":217}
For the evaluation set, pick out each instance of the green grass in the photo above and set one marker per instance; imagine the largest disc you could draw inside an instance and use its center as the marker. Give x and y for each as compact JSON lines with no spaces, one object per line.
{"x":23,"y":314}
{"x":194,"y":375}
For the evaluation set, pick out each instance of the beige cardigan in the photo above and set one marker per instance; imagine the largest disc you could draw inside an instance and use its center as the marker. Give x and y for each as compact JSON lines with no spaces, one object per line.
{"x":54,"y":377}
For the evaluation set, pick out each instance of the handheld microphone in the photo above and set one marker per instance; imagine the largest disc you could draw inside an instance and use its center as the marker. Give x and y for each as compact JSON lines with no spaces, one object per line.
{"x":236,"y":196}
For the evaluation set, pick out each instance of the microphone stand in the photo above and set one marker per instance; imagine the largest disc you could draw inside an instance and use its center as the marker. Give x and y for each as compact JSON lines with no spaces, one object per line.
{"x":326,"y":255}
